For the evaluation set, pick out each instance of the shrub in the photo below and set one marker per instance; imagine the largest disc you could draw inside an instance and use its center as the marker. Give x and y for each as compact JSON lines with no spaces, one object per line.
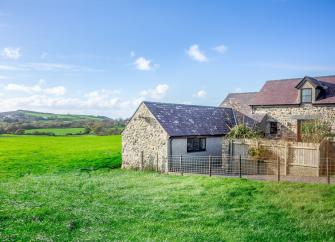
{"x":260,"y":153}
{"x":19,"y":131}
{"x":43,"y":133}
{"x":241,"y":131}
{"x":315,"y":131}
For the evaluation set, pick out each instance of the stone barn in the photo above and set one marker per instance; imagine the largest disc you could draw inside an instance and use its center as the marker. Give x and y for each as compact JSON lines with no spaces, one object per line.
{"x":282,"y":107}
{"x":159,"y":130}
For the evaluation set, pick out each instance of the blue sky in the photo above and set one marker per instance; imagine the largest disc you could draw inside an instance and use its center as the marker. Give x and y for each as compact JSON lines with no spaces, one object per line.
{"x":105,"y":57}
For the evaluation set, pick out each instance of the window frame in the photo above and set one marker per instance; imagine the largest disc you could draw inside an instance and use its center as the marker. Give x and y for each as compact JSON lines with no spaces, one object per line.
{"x":196,"y":144}
{"x":273,"y":128}
{"x":311,"y":95}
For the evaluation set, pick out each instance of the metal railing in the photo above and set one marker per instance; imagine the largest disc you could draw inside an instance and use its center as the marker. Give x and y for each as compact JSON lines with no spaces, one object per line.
{"x":271,"y":168}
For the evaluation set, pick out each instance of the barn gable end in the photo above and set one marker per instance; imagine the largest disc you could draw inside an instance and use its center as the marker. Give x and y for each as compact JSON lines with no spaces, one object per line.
{"x":144,"y":134}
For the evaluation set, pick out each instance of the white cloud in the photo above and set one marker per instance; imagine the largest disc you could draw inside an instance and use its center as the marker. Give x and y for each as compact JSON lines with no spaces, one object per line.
{"x":110,"y":106}
{"x":144,"y":64}
{"x":3,"y":78}
{"x":132,"y":54}
{"x":58,"y":91}
{"x":187,"y":102}
{"x":195,"y":53}
{"x":36,"y":89}
{"x":96,"y":102}
{"x":11,"y":53}
{"x":9,"y":68}
{"x":221,"y":49}
{"x":158,"y":92}
{"x":201,"y":94}
{"x":55,"y":99}
{"x":45,"y":66}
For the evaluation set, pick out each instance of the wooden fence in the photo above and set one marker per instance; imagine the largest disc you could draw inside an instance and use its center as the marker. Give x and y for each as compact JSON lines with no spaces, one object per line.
{"x":296,"y":158}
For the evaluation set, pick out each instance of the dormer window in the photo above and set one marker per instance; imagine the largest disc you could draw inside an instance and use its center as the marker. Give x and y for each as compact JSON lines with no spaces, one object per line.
{"x":306,"y":95}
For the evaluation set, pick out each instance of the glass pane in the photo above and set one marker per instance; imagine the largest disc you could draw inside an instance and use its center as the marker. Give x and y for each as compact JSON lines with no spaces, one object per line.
{"x":189,"y":144}
{"x":307,"y":92}
{"x":196,"y":144}
{"x":306,"y":98}
{"x":306,"y":95}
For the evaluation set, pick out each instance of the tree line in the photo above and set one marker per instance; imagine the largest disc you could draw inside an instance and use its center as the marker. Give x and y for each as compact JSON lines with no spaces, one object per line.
{"x":104,"y":127}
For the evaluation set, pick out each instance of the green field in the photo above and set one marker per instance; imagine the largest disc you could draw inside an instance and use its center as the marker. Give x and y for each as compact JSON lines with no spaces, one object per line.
{"x":65,"y":189}
{"x":21,"y":155}
{"x":57,"y":131}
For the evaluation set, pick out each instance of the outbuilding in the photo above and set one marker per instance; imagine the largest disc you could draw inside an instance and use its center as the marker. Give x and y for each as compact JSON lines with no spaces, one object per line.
{"x":157,"y":131}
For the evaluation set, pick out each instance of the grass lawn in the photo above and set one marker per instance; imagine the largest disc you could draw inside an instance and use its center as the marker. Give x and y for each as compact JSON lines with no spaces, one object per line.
{"x":57,"y":131}
{"x":68,"y":201}
{"x":21,"y":155}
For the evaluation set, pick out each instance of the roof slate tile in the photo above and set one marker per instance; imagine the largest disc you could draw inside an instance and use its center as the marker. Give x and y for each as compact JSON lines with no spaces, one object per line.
{"x":192,"y":120}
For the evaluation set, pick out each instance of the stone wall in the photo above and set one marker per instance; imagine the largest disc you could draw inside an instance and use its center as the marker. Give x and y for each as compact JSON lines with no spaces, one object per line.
{"x":287,"y":116}
{"x":144,"y":134}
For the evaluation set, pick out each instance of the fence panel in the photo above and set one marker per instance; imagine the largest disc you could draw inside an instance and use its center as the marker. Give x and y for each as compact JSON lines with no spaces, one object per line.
{"x":292,"y":154}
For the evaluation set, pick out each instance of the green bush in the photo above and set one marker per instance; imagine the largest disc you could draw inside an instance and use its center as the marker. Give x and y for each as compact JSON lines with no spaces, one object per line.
{"x":42,"y":133}
{"x":315,"y":131}
{"x":243,"y":132}
{"x":19,"y":132}
{"x":260,"y":153}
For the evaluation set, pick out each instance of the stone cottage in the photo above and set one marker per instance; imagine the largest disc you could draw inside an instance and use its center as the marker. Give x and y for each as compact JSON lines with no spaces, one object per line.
{"x":282,"y":106}
{"x":159,"y":130}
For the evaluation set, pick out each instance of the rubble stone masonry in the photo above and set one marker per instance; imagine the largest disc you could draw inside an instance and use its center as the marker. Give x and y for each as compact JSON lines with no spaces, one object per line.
{"x":288,"y":116}
{"x":144,"y":134}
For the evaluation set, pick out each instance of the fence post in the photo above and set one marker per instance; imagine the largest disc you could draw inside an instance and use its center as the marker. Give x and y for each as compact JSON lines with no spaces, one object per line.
{"x":278,"y":168}
{"x":286,"y":159}
{"x":210,"y":165}
{"x":142,"y":162}
{"x":319,"y":159}
{"x":327,"y":161}
{"x":240,"y":166}
{"x":181,"y":164}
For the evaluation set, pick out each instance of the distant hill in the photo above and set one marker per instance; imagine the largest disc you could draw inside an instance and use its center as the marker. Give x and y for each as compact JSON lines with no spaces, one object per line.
{"x":28,"y":116}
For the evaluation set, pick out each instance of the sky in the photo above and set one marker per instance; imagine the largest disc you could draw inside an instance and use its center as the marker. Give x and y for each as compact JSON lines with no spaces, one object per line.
{"x":106,"y":57}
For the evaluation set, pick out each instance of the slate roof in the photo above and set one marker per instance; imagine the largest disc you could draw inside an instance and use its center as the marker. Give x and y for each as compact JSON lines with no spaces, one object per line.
{"x":240,"y":102}
{"x":191,"y":120}
{"x":283,"y":92}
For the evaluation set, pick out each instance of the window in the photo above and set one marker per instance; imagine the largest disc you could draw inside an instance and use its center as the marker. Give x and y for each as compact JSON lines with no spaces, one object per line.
{"x":273,"y":128}
{"x":196,"y":144}
{"x":306,"y":95}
